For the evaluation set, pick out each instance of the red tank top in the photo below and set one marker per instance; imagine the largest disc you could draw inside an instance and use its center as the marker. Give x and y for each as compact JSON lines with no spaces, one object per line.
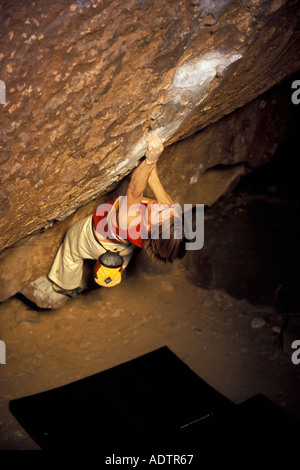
{"x":104,"y":219}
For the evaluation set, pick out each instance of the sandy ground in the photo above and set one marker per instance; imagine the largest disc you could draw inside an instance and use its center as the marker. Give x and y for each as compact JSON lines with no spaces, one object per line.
{"x":209,"y":330}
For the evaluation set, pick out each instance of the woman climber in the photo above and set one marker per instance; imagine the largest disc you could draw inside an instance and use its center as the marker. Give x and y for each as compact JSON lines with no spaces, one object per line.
{"x":119,"y":226}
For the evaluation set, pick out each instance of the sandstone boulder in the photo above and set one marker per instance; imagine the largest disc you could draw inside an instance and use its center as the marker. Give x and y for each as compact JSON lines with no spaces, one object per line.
{"x":197,"y":170}
{"x":41,"y":293}
{"x":85,"y":80}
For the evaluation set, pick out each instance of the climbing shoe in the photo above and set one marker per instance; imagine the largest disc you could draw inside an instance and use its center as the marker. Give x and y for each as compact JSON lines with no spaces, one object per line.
{"x":69,"y":292}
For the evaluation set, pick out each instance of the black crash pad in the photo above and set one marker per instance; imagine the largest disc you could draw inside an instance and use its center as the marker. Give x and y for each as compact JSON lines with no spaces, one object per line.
{"x":146,"y":402}
{"x":154,"y":402}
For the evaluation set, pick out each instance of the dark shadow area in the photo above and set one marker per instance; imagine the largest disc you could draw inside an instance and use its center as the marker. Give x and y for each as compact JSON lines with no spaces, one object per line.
{"x":251,"y":248}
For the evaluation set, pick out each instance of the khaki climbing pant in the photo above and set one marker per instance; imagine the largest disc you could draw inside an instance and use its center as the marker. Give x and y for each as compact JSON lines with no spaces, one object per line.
{"x":81,"y":243}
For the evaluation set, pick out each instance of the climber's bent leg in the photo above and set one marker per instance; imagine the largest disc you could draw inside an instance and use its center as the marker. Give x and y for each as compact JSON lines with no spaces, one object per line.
{"x":80,"y":243}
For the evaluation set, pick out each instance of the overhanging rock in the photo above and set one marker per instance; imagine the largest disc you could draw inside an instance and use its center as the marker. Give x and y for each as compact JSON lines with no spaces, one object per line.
{"x":198,"y":169}
{"x":85,"y":80}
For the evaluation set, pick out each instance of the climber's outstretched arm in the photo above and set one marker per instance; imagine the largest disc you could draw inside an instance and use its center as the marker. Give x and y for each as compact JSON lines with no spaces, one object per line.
{"x":138,"y":182}
{"x":139,"y":178}
{"x":158,"y":189}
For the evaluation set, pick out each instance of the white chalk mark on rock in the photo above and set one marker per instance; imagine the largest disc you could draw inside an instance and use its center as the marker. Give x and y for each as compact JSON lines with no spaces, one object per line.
{"x":195,"y":74}
{"x":189,"y":88}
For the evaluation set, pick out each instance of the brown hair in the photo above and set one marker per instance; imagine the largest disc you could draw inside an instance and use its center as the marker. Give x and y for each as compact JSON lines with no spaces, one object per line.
{"x":166,"y":250}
